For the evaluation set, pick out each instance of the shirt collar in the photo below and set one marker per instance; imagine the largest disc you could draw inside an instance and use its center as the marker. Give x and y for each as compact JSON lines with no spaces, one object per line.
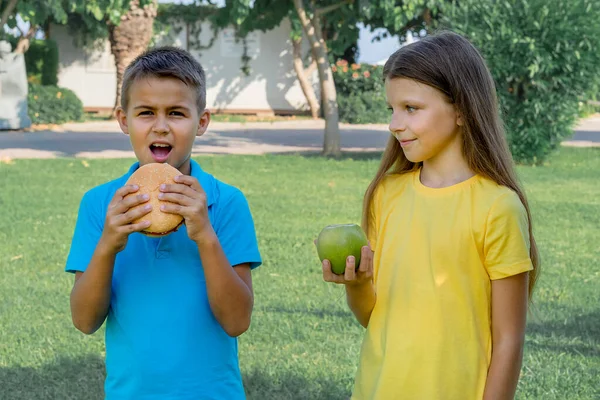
{"x":206,"y":180}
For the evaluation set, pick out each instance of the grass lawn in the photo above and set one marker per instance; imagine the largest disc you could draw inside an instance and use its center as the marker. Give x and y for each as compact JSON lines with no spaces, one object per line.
{"x":303,"y":343}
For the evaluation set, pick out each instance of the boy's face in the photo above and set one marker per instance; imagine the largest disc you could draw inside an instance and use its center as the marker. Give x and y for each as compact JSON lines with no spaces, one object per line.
{"x":162,"y":121}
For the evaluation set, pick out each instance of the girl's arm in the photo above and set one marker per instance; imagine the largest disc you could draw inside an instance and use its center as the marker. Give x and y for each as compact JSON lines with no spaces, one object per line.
{"x":361,"y":300}
{"x":509,"y":313}
{"x":360,"y":290}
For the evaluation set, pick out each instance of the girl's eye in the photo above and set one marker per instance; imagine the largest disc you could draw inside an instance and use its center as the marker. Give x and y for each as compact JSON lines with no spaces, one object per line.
{"x":410,"y":109}
{"x":390,"y":109}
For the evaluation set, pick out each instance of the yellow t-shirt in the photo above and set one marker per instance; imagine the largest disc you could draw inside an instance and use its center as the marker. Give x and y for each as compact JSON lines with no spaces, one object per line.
{"x":436,"y":252}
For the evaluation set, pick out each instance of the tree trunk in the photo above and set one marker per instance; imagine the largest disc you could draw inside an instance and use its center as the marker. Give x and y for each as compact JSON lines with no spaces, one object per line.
{"x":303,"y":78}
{"x":312,"y":29}
{"x":130,"y":38}
{"x":7,"y":11}
{"x":25,"y":40}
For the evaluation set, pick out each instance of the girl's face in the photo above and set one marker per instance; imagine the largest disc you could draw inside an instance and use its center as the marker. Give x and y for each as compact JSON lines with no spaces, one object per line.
{"x":423,"y":120}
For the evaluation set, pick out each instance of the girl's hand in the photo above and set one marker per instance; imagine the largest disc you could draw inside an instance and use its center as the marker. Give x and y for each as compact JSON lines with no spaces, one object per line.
{"x":122,"y":211}
{"x":187,"y":198}
{"x":352,"y":276}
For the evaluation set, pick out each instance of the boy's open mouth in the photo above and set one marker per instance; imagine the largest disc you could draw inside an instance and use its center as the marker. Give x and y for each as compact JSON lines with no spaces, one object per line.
{"x":160,"y":151}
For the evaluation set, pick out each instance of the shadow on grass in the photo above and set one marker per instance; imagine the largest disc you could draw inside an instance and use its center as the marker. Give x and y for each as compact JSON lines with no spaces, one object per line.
{"x":317,"y":313}
{"x":260,"y":385}
{"x":65,"y":379}
{"x":577,"y":334}
{"x":83,"y":378}
{"x":346,"y":155}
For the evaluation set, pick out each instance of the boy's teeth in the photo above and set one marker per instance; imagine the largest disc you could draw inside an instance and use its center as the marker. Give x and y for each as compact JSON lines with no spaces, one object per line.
{"x":160,"y":145}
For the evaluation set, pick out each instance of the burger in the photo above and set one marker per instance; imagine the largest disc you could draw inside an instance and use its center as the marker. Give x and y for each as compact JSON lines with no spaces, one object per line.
{"x":149,"y":177}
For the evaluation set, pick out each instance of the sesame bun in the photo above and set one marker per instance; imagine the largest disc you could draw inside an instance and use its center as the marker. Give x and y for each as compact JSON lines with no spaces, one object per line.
{"x":149,"y":177}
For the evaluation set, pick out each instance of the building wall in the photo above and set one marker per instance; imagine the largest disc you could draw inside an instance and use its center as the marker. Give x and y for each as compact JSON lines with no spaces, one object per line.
{"x":272,"y":85}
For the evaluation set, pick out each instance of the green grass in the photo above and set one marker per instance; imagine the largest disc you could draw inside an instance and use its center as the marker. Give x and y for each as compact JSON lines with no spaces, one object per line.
{"x":303,"y":343}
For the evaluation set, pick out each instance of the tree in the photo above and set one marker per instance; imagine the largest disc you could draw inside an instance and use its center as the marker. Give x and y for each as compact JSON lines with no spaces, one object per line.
{"x":544,"y":58}
{"x":126,"y":23}
{"x":317,"y":20}
{"x":304,"y":74}
{"x":312,"y":29}
{"x":130,"y":37}
{"x":35,"y":13}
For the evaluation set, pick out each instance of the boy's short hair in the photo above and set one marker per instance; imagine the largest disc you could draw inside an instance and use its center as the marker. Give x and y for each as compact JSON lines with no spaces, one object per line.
{"x":166,"y":62}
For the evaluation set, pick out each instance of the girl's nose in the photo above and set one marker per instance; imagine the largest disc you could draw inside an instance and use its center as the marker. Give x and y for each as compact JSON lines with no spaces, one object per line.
{"x":397,"y":123}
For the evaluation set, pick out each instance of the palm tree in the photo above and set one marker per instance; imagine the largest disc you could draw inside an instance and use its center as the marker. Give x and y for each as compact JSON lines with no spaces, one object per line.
{"x":131,"y":37}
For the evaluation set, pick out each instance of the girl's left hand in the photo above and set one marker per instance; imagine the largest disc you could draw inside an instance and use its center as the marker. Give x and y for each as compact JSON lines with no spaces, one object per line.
{"x":187,"y":198}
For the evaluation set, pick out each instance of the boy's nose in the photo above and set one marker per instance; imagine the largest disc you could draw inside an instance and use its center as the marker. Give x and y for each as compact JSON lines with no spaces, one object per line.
{"x":161,"y":125}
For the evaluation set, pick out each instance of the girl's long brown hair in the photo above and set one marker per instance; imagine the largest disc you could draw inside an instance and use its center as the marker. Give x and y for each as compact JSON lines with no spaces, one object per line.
{"x":450,"y":63}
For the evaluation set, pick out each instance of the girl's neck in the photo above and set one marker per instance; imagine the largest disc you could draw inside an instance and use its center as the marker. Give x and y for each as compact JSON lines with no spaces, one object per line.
{"x":445,"y":170}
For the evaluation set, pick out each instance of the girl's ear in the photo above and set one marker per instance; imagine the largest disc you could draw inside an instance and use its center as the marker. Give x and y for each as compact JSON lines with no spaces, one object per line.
{"x":459,"y":119}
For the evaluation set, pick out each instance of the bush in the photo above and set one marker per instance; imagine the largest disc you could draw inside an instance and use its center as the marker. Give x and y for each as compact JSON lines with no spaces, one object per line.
{"x":53,"y":105}
{"x":360,"y":93}
{"x":363,"y":108}
{"x":544,"y":56}
{"x":41,"y":62}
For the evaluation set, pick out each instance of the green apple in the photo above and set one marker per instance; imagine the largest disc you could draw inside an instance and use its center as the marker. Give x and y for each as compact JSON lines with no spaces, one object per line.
{"x":336,"y":242}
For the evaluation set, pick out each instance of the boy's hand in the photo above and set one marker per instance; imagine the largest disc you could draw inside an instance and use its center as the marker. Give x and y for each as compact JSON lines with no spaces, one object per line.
{"x":120,"y":215}
{"x":352,"y":276}
{"x":187,"y":198}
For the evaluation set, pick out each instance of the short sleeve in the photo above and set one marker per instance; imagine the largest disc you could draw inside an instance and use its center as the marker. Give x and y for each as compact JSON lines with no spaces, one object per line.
{"x":235,"y":230}
{"x":88,"y":229}
{"x":506,"y":243}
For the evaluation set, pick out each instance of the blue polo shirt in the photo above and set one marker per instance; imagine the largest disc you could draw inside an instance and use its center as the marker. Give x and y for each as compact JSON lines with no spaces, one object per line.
{"x":162,"y":339}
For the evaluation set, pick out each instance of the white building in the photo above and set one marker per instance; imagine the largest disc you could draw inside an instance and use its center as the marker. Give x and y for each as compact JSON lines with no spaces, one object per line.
{"x":271,"y":87}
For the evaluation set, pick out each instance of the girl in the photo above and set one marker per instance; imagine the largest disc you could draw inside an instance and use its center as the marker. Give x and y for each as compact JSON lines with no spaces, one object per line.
{"x":444,"y":292}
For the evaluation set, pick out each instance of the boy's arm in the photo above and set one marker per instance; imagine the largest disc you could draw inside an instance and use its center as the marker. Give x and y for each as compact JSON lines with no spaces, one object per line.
{"x":90,"y":296}
{"x":509,"y":313}
{"x":229,"y":289}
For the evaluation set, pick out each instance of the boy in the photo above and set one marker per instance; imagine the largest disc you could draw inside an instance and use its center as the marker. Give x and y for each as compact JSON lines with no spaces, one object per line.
{"x":173,"y":305}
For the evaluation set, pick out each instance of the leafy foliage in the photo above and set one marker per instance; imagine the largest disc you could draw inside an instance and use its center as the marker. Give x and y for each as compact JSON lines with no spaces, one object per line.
{"x":544,"y":56}
{"x":53,"y":105}
{"x":360,"y":93}
{"x":41,"y":62}
{"x":87,"y":19}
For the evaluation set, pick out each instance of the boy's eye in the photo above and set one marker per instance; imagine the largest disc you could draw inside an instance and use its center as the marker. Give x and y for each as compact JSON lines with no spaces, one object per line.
{"x":390,"y":109}
{"x":147,"y":112}
{"x":411,"y":109}
{"x":177,"y":113}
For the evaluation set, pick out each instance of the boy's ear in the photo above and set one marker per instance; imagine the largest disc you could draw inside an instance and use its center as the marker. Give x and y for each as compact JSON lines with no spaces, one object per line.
{"x":203,"y":122}
{"x":122,"y":118}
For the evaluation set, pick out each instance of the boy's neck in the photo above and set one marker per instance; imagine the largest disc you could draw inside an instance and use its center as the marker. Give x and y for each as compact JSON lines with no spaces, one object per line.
{"x":186,"y":167}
